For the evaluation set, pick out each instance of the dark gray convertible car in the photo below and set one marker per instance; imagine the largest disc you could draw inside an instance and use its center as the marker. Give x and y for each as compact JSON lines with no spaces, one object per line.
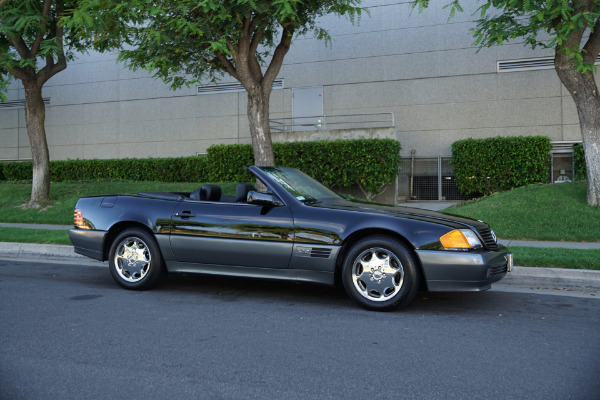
{"x":294,"y":228}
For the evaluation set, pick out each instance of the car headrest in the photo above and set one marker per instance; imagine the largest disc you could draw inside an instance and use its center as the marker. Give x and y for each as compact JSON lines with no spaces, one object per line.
{"x":195,"y":195}
{"x":241,"y":191}
{"x":210,"y":193}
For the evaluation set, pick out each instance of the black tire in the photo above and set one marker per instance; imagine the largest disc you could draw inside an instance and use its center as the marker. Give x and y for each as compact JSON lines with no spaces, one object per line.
{"x":380,"y":273}
{"x":135,"y":261}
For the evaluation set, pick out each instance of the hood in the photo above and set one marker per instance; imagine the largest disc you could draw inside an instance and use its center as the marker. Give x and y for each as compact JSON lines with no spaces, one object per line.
{"x":398,"y":211}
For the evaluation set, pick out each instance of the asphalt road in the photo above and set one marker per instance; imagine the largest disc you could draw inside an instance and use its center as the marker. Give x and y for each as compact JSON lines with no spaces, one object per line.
{"x":69,"y":332}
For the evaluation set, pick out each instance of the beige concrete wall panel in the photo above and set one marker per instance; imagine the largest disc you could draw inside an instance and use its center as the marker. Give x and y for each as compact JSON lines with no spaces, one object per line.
{"x":418,"y":118}
{"x":426,"y":143}
{"x":309,"y":50}
{"x":140,"y":88}
{"x":453,"y":36}
{"x":101,"y":151}
{"x":571,"y":132}
{"x":385,"y":43}
{"x":64,"y":152}
{"x":529,"y":112}
{"x":310,"y":74}
{"x":101,"y":113}
{"x":64,"y":115}
{"x":277,"y":102}
{"x":139,"y":132}
{"x":442,"y":14}
{"x":74,"y":74}
{"x":23,"y":136}
{"x":8,"y":152}
{"x":381,"y":96}
{"x":9,"y":138}
{"x":481,"y":114}
{"x":24,"y":152}
{"x":528,"y":84}
{"x":516,"y":50}
{"x":215,"y":128}
{"x":208,"y":105}
{"x":62,"y":135}
{"x":13,"y":92}
{"x":93,"y":92}
{"x":467,"y":88}
{"x":94,"y":56}
{"x":409,"y":66}
{"x":466,"y":62}
{"x":334,"y":134}
{"x":138,"y":110}
{"x":101,"y":133}
{"x":101,"y":70}
{"x":9,"y":118}
{"x":569,"y":111}
{"x":138,"y":150}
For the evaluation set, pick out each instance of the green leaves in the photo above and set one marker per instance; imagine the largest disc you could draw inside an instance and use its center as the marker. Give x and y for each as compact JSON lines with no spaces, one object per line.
{"x":544,"y":23}
{"x":484,"y":166}
{"x":369,"y":163}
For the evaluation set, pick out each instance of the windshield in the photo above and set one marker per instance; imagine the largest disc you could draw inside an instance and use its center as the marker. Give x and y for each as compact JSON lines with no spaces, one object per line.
{"x":300,"y":185}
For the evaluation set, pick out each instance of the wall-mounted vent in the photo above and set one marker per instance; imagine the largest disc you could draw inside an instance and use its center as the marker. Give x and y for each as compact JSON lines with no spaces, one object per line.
{"x":19,"y":104}
{"x":528,"y":64}
{"x":231,"y":87}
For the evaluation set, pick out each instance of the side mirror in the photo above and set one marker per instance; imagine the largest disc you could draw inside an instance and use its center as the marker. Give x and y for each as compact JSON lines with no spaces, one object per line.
{"x":263,"y":199}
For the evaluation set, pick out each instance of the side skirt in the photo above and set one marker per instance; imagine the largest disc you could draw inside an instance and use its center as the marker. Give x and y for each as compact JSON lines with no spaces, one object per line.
{"x":300,"y":275}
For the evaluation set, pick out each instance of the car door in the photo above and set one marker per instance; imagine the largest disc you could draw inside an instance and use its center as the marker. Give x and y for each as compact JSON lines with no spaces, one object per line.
{"x":232,"y":234}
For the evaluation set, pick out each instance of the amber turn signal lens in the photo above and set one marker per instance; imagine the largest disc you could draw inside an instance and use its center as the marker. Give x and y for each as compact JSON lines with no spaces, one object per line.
{"x":78,"y":218}
{"x":455,"y":240}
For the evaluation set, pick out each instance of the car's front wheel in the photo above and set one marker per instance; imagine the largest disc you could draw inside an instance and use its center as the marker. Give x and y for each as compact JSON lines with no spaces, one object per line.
{"x":380,"y":273}
{"x":135,"y":261}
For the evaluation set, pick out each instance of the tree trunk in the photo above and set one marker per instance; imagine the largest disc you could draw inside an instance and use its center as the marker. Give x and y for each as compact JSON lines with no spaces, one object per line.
{"x":584,"y":92}
{"x":260,"y":131}
{"x":35,"y":115}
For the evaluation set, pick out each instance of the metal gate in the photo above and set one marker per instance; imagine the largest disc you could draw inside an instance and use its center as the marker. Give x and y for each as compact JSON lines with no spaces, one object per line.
{"x":430,"y":178}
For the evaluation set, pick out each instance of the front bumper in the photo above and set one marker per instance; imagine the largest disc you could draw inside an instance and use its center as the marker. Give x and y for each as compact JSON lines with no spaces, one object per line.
{"x":464,"y":271}
{"x":88,"y":242}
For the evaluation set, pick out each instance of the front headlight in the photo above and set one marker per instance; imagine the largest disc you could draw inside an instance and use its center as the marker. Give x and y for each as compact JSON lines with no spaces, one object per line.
{"x":460,"y":239}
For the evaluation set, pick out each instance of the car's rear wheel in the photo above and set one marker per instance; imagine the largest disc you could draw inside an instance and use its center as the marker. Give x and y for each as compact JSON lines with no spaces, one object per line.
{"x":380,"y":273}
{"x":135,"y":261}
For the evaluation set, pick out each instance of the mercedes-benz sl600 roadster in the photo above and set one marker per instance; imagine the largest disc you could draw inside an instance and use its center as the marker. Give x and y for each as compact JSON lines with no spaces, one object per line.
{"x":293,"y":228}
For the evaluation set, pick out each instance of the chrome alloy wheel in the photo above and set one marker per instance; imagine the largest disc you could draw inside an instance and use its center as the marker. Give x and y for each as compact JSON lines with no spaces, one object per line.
{"x":377,"y":274}
{"x":132,"y":259}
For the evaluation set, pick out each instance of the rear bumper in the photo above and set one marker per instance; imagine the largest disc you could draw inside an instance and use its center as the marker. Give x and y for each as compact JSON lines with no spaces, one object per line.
{"x":464,"y":271}
{"x":89,"y":243}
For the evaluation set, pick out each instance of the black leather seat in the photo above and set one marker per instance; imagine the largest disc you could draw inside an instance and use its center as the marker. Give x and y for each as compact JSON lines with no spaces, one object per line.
{"x":207,"y":193}
{"x":241,"y":191}
{"x":210,"y":193}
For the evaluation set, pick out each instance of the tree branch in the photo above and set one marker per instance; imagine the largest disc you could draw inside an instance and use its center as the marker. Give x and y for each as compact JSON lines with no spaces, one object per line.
{"x":592,"y":46}
{"x":20,"y":45}
{"x":35,"y":47}
{"x":229,"y":67}
{"x":278,"y":55}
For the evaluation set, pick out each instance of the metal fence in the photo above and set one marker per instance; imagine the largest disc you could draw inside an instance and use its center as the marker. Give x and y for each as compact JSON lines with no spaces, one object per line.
{"x":333,"y":121}
{"x":430,"y":178}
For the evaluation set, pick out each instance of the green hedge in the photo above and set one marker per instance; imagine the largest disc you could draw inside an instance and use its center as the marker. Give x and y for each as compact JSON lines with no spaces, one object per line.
{"x":184,"y":169}
{"x":484,"y":166}
{"x":579,"y":163}
{"x":369,"y":163}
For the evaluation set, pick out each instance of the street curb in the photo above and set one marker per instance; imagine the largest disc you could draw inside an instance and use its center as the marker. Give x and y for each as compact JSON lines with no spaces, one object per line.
{"x":37,"y":250}
{"x":520,"y":276}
